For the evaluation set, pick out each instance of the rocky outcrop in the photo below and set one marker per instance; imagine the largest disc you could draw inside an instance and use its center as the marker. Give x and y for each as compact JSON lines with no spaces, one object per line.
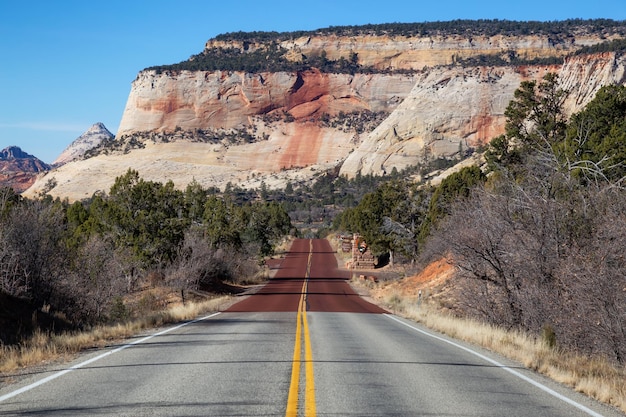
{"x":14,"y":153}
{"x":583,"y":76}
{"x":19,"y":169}
{"x":95,"y":136}
{"x":167,"y":100}
{"x":401,"y":52}
{"x":303,"y":150}
{"x":224,"y":100}
{"x":455,"y":109}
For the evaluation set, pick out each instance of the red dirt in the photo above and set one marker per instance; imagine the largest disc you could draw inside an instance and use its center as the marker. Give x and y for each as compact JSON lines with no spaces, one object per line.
{"x":435,"y":275}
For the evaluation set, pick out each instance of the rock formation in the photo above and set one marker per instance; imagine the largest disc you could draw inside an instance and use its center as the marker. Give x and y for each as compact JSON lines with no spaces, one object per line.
{"x":95,"y":136}
{"x":19,"y":169}
{"x":461,"y":108}
{"x":439,"y":91}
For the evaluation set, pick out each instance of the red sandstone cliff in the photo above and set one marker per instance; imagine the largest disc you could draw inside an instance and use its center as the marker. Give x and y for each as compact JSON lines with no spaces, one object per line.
{"x":18,"y":169}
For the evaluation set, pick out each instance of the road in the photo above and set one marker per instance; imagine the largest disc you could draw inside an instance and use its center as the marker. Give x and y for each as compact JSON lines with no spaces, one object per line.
{"x":304,"y":345}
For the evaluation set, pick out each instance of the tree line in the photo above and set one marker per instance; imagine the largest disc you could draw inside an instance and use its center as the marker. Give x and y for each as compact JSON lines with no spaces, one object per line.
{"x":271,"y":57}
{"x":463,"y":27}
{"x":78,"y":261}
{"x":75,"y":265}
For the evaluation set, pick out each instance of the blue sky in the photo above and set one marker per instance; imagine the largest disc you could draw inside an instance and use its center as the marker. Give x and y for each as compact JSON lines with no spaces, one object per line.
{"x":65,"y":65}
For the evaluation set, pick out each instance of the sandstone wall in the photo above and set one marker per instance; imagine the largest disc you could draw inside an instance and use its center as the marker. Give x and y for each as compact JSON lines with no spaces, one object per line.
{"x":224,"y":99}
{"x":227,"y":99}
{"x":454,"y":108}
{"x":417,"y":52}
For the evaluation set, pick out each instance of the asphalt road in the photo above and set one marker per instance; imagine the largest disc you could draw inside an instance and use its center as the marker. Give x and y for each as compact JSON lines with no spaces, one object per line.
{"x":303,"y":345}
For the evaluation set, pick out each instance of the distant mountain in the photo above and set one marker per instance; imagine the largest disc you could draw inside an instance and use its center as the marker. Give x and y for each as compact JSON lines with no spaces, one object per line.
{"x":19,"y":169}
{"x":93,"y":137}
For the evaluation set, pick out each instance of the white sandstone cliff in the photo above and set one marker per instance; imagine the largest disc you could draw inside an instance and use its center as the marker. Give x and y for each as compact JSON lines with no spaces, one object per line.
{"x":93,"y":137}
{"x":457,"y":108}
{"x":222,"y":99}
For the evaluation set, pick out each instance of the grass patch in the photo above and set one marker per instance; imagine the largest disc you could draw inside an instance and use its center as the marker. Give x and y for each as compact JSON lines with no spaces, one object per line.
{"x":46,"y":347}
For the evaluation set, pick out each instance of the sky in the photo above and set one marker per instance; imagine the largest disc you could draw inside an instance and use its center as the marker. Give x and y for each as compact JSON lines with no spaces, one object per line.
{"x":65,"y":64}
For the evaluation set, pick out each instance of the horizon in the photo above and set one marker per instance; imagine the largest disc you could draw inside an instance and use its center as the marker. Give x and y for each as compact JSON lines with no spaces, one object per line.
{"x":69,"y":66}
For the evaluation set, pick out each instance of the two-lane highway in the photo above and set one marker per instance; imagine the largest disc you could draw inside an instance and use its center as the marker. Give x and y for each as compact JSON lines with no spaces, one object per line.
{"x":313,"y":262}
{"x":305,"y":344}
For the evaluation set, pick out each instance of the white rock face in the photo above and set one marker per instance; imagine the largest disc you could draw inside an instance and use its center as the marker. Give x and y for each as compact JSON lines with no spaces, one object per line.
{"x":448,"y":109}
{"x":93,"y":137}
{"x":583,"y":76}
{"x":454,"y":108}
{"x":313,"y":152}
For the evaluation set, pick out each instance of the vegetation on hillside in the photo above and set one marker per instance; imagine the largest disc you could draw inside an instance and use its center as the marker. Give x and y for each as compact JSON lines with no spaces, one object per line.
{"x":271,"y":57}
{"x":485,"y":27}
{"x":615,"y":45}
{"x":507,"y":58}
{"x":137,"y":140}
{"x":357,"y":122}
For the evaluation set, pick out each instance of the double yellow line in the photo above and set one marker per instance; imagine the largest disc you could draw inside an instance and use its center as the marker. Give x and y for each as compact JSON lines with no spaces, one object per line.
{"x":302,"y":327}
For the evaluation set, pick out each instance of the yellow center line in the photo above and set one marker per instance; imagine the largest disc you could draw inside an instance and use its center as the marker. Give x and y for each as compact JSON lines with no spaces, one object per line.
{"x":310,"y":408}
{"x":302,"y":326}
{"x":292,"y":400}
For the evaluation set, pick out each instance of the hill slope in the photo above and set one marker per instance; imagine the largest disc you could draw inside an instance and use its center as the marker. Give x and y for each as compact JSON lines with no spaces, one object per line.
{"x":95,"y":136}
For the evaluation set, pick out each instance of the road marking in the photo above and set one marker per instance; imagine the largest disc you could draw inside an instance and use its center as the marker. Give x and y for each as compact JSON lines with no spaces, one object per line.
{"x":302,"y":327}
{"x":502,"y":366}
{"x":292,"y":399}
{"x":97,"y":358}
{"x":310,"y":408}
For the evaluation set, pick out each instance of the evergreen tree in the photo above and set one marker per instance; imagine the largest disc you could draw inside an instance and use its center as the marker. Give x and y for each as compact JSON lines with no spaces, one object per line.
{"x":595,"y":147}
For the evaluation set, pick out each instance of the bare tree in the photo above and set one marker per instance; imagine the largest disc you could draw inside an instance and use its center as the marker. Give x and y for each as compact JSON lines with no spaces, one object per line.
{"x":14,"y":277}
{"x":483,"y":246}
{"x":199,"y":266}
{"x":35,"y":240}
{"x":96,"y":278}
{"x":594,"y":317}
{"x":534,"y":256}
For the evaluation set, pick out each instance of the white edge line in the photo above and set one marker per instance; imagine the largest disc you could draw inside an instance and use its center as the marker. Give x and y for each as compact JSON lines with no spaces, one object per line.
{"x":97,"y":358}
{"x":504,"y":367}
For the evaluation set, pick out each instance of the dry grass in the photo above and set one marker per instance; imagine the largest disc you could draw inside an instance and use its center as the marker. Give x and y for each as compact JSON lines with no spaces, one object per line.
{"x":595,"y":377}
{"x":43,"y":347}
